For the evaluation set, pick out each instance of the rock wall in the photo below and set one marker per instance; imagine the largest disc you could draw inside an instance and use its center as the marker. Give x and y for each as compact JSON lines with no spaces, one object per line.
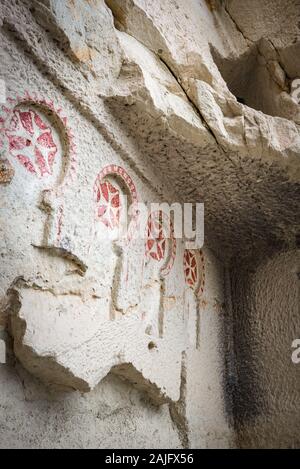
{"x":121,"y":321}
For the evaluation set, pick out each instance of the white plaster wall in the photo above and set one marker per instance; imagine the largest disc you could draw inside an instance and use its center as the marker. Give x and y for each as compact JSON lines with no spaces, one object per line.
{"x":58,"y":294}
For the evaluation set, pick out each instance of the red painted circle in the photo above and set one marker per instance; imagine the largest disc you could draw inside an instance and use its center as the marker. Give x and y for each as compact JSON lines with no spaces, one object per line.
{"x":31,"y":142}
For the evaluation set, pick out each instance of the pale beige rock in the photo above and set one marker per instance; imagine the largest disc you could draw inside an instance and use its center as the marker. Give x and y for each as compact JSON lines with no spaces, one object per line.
{"x":193,"y":101}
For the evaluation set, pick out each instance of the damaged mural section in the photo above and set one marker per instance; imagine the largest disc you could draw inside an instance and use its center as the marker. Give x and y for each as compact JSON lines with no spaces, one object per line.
{"x":110,"y":105}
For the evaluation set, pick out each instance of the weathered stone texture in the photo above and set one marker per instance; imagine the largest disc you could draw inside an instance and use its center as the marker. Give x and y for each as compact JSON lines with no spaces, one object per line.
{"x":266,"y":315}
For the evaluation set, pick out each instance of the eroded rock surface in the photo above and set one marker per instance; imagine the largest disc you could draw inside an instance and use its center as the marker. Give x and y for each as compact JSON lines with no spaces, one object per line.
{"x":178,"y":101}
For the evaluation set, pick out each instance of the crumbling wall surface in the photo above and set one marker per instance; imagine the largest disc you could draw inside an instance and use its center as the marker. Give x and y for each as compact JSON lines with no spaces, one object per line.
{"x":118,"y":101}
{"x":266,"y":315}
{"x":104,"y":335}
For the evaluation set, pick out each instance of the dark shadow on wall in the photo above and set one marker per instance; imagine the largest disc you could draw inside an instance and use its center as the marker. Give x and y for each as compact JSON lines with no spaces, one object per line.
{"x":262,"y":319}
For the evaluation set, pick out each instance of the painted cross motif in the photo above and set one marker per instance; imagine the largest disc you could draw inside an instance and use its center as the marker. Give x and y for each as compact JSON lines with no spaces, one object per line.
{"x":31,"y":142}
{"x":108,"y":205}
{"x":108,"y":198}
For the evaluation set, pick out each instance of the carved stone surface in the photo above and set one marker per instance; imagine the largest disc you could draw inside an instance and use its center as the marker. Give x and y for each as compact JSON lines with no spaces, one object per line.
{"x":194,"y":270}
{"x":31,"y":141}
{"x":114,"y":103}
{"x":6,"y":171}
